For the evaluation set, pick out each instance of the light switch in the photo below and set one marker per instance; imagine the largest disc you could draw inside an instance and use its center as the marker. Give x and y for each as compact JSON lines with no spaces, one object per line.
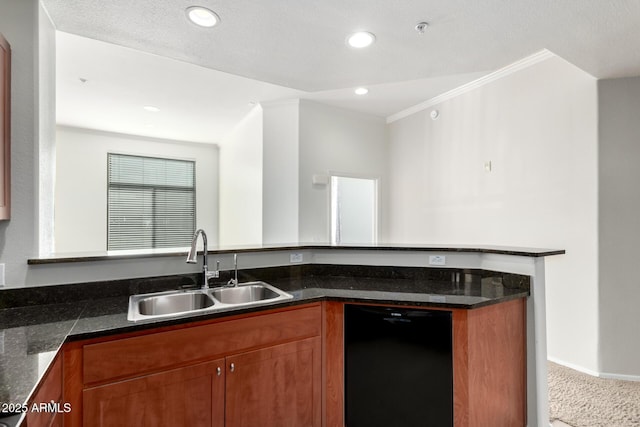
{"x":295,"y":257}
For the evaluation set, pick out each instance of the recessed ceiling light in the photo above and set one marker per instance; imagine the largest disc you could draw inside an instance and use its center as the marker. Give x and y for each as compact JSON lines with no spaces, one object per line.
{"x":202,"y":16}
{"x":361,"y":91}
{"x":151,"y":108}
{"x":361,"y":39}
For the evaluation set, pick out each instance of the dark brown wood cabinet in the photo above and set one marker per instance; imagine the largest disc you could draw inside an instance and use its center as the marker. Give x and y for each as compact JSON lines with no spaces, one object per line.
{"x":275,"y":386}
{"x":259,"y":369}
{"x":58,"y":421}
{"x":5,"y":129}
{"x":48,"y":392}
{"x":490,"y":363}
{"x":278,"y":368}
{"x":190,"y":396}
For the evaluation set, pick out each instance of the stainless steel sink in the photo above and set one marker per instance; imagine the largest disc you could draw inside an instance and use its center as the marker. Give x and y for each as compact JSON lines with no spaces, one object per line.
{"x":171,"y":303}
{"x":243,"y":294}
{"x":176,"y":303}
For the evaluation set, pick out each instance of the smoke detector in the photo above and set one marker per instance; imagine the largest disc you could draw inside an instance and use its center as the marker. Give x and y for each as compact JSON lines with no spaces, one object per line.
{"x":421,"y":27}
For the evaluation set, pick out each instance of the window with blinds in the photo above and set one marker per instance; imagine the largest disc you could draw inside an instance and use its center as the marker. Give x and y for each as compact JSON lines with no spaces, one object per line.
{"x":151,"y":202}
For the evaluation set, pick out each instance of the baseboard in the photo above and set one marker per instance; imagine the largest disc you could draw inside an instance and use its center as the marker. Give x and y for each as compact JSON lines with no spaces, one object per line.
{"x":574,"y":367}
{"x":619,"y":377}
{"x":605,"y":375}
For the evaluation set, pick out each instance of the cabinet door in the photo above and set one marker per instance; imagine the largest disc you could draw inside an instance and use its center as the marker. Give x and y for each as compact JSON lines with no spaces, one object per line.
{"x":50,"y":390}
{"x":5,"y":124}
{"x":187,"y":397}
{"x":276,"y":386}
{"x":57,"y":421}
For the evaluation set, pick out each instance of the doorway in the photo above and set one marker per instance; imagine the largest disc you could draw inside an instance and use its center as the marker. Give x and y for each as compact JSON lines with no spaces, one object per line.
{"x":353,"y":210}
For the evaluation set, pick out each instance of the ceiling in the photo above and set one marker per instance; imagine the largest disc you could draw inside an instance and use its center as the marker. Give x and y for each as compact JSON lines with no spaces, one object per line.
{"x":276,"y":49}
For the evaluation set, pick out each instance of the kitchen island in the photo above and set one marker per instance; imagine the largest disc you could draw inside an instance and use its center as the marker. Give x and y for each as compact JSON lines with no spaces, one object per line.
{"x":471,"y":279}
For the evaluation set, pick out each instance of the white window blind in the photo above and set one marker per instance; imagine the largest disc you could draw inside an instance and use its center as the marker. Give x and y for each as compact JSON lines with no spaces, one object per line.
{"x":151,"y":202}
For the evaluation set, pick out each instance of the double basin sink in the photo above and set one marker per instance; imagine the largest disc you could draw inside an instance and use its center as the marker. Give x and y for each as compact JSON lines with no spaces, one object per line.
{"x":176,"y":303}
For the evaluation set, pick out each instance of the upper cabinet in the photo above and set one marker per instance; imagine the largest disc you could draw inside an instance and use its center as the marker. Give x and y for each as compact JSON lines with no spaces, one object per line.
{"x":5,"y":125}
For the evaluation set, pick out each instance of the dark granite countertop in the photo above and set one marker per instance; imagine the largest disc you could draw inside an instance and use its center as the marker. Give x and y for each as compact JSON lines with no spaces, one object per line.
{"x":31,"y":335}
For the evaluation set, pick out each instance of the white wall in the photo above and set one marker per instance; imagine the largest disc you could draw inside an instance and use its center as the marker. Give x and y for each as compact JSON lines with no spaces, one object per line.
{"x":538,"y":127}
{"x":19,"y":236}
{"x":293,"y":140}
{"x":619,"y":232}
{"x":336,"y":141}
{"x":81,"y":184}
{"x":280,"y":172}
{"x":241,"y":183}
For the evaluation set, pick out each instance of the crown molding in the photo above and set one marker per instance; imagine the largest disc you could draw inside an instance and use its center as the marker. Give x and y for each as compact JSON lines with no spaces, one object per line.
{"x":491,"y":77}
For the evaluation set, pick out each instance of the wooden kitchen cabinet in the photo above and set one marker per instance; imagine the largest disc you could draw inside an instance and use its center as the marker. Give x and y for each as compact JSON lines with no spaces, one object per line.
{"x":58,"y":421}
{"x":490,"y":362}
{"x":49,"y":391}
{"x":5,"y":129}
{"x":278,"y":386}
{"x":279,"y":368}
{"x":270,"y":374}
{"x":489,"y":365}
{"x":190,"y":396}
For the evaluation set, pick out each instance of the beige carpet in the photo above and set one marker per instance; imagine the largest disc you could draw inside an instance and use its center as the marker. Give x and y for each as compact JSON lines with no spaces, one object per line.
{"x":581,"y":400}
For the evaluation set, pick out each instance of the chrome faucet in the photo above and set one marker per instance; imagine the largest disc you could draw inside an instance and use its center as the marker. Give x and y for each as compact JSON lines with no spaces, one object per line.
{"x":192,"y":258}
{"x":234,"y":280}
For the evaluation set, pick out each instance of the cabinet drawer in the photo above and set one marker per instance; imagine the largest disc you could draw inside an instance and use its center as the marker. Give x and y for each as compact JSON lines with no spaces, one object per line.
{"x":147,"y":353}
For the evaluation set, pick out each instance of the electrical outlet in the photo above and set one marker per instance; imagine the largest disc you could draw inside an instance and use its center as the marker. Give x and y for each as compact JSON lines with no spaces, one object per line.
{"x":295,"y":257}
{"x":437,"y":260}
{"x":1,"y":274}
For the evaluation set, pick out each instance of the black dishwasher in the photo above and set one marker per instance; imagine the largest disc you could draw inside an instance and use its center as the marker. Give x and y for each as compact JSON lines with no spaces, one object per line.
{"x":398,"y":367}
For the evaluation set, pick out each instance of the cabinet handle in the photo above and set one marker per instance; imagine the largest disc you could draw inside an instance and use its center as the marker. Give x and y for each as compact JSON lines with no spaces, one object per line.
{"x":232,"y":367}
{"x":218,"y":371}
